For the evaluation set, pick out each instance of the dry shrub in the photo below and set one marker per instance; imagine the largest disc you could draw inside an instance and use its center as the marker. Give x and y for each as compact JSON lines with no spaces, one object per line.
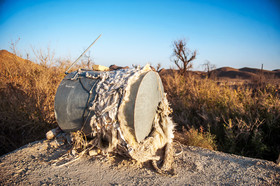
{"x":27,"y":92}
{"x":195,"y":137}
{"x":244,"y":119}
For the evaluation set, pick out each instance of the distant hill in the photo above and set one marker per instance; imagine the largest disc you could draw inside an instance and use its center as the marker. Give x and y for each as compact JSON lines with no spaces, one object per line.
{"x":232,"y":73}
{"x":11,"y":61}
{"x":9,"y":57}
{"x":245,"y":73}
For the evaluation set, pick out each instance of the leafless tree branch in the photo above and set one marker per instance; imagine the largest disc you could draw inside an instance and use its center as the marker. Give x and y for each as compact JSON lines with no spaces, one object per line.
{"x":183,"y":56}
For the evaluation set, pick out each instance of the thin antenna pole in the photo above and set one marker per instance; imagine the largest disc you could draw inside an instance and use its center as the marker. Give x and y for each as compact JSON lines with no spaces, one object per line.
{"x":66,"y":72}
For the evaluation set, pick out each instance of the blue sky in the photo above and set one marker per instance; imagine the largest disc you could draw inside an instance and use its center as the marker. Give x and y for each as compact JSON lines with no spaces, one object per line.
{"x":236,"y":33}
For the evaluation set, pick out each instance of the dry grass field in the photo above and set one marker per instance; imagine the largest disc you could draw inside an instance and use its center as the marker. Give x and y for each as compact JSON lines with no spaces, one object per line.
{"x":233,"y":115}
{"x":235,"y":111}
{"x":27,"y":93}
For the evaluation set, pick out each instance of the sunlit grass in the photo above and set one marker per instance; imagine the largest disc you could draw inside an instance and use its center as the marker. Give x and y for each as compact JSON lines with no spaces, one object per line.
{"x":244,"y":119}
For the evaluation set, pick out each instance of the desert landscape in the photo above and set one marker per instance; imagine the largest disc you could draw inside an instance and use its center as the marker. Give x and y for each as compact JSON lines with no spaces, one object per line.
{"x":221,"y":116}
{"x":174,"y":92}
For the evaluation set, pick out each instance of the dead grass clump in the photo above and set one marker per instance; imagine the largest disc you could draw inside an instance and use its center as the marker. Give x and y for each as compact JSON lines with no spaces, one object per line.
{"x":80,"y":142}
{"x":198,"y":138}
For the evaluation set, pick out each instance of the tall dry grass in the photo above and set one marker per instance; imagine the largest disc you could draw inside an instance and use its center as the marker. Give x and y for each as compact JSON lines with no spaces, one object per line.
{"x":242,"y":119}
{"x":245,"y":120}
{"x":27,"y":93}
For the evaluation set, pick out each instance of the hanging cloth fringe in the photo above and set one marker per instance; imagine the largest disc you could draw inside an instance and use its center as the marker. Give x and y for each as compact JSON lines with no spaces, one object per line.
{"x":110,"y":131}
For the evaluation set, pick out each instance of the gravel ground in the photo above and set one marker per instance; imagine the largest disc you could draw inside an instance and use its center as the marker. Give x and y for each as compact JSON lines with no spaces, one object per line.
{"x":34,"y":164}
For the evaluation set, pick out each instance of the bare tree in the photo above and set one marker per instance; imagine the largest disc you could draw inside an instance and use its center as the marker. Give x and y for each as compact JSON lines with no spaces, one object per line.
{"x":13,"y":47}
{"x":44,"y":57}
{"x":208,"y":68}
{"x":88,"y":60}
{"x":183,"y":56}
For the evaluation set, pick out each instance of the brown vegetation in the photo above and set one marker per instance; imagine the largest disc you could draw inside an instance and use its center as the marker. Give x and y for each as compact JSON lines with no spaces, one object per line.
{"x":242,"y":119}
{"x":27,"y":93}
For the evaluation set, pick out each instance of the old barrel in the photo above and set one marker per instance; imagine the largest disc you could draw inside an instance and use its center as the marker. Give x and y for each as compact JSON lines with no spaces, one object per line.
{"x":77,"y":91}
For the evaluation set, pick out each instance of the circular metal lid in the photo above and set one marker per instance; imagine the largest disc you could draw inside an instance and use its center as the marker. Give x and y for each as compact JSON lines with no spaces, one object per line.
{"x":148,"y":96}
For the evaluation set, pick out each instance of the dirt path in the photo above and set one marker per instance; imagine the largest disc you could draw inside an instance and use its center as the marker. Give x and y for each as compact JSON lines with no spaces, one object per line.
{"x":31,"y":164}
